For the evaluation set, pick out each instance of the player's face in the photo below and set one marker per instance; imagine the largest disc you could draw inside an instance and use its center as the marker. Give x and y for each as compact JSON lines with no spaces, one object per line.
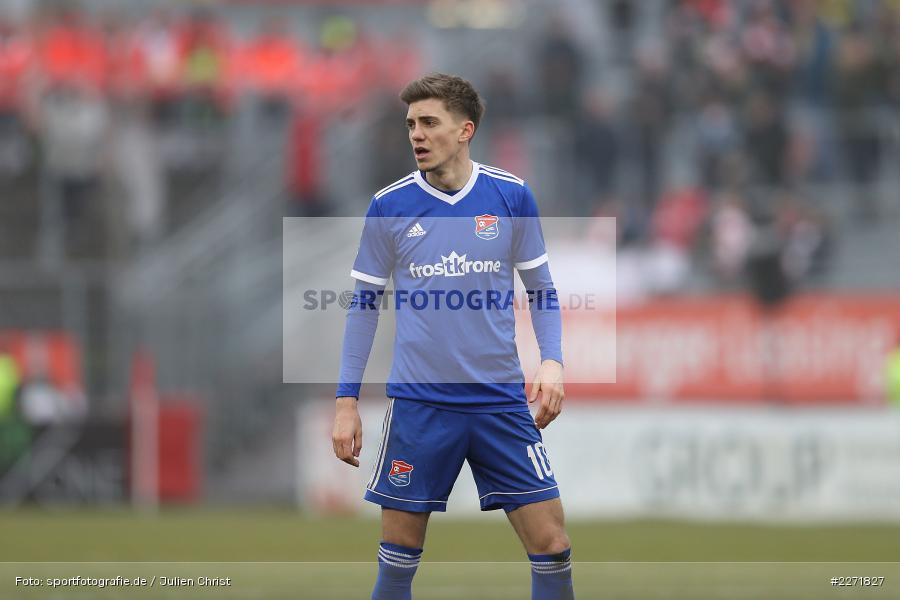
{"x":436,"y":134}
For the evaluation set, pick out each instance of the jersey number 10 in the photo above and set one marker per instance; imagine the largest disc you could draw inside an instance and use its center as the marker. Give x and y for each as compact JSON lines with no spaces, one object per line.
{"x":538,"y":455}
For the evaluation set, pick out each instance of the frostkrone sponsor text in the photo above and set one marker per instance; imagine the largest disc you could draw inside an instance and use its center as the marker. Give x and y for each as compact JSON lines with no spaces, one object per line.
{"x":455,"y":265}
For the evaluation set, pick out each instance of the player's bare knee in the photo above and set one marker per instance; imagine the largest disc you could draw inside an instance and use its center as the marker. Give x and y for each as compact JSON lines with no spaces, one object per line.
{"x":408,"y":536}
{"x":557,"y":543}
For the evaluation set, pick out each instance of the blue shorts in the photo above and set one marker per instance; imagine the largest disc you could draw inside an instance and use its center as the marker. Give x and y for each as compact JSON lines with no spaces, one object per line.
{"x":423,"y":448}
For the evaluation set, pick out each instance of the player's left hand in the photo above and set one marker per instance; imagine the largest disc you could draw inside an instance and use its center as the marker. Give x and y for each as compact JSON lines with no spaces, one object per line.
{"x":548,"y":387}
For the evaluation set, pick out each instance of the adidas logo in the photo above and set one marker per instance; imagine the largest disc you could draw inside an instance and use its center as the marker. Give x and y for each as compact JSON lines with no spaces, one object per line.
{"x":415,"y":231}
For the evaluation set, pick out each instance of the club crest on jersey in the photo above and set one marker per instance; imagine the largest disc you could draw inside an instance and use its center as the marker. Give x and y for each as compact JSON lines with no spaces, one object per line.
{"x":400,"y":473}
{"x":487,"y":227}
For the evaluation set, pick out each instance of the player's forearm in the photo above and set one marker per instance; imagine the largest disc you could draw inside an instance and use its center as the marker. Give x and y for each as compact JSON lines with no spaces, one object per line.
{"x":543,"y":305}
{"x":359,"y":333}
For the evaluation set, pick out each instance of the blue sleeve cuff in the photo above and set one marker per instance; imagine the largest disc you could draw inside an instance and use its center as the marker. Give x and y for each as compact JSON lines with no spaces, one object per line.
{"x":347,"y":390}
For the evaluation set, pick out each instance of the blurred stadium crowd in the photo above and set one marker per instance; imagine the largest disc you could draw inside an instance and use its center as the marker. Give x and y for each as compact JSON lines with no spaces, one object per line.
{"x":718,"y":121}
{"x":112,"y":98}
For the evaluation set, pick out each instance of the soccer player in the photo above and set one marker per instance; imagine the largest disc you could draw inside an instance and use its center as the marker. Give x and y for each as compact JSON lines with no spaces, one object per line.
{"x":452,"y":234}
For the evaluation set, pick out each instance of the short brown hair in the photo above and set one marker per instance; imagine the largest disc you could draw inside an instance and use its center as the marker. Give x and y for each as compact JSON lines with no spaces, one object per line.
{"x":459,"y":95}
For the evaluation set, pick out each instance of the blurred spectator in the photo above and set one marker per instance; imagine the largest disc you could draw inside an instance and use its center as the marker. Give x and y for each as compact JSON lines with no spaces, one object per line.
{"x":270,"y":64}
{"x":503,"y":132}
{"x":43,"y":398}
{"x":42,"y":403}
{"x":808,"y":240}
{"x":858,"y":85}
{"x":679,"y":217}
{"x":652,"y":108}
{"x":560,"y":64}
{"x":509,"y":150}
{"x":503,"y":97}
{"x":345,"y":68}
{"x":135,"y":202}
{"x":768,"y":49}
{"x":9,"y":384}
{"x":726,"y":73}
{"x":814,"y":44}
{"x":72,"y":120}
{"x":72,"y":51}
{"x":128,"y":73}
{"x":138,"y":203}
{"x":766,"y":138}
{"x":806,"y":156}
{"x":887,"y":47}
{"x":717,"y":139}
{"x":391,"y":152}
{"x":686,"y":35}
{"x":194,"y":111}
{"x":675,"y":226}
{"x":204,"y":70}
{"x":15,"y":57}
{"x":401,"y":60}
{"x":621,"y":18}
{"x":158,"y":44}
{"x":765,"y":264}
{"x":714,"y":13}
{"x":597,"y":151}
{"x":305,"y":171}
{"x":14,"y":435}
{"x":837,"y":13}
{"x":731,"y":233}
{"x":360,"y":67}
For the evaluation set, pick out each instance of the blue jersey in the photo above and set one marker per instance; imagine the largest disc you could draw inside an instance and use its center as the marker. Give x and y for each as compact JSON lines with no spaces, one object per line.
{"x":452,"y":257}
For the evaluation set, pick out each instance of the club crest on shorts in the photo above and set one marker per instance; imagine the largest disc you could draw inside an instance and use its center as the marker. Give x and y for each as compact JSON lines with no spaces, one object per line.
{"x":487,"y":227}
{"x":400,"y":473}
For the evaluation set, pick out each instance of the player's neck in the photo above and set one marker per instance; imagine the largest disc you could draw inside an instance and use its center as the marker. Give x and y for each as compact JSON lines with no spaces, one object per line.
{"x":452,"y":176}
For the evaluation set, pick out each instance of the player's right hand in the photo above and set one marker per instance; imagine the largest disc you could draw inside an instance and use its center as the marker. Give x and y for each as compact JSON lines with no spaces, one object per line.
{"x":347,"y":435}
{"x":548,"y":388}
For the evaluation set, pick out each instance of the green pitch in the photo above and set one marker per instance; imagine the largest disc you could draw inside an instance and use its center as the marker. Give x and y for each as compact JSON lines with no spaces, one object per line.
{"x":282,"y":555}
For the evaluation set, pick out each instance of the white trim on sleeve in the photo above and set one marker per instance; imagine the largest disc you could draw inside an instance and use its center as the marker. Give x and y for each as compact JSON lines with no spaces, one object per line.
{"x":530,"y":264}
{"x":397,"y":184}
{"x":489,"y":169}
{"x":503,"y":177}
{"x":369,"y":278}
{"x":395,"y":187}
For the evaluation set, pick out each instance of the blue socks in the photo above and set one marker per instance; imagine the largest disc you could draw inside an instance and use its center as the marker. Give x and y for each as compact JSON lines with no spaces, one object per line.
{"x":551,"y":576}
{"x":396,"y":567}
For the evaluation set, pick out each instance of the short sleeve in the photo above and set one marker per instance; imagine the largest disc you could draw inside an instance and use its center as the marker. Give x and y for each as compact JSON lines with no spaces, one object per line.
{"x":375,"y":258}
{"x":529,"y":251}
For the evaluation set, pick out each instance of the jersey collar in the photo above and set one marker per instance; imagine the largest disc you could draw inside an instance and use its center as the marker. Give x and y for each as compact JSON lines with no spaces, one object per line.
{"x":448,"y":198}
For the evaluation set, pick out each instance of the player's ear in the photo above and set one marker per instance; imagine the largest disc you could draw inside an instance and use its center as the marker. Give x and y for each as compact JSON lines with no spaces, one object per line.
{"x":468,"y":131}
